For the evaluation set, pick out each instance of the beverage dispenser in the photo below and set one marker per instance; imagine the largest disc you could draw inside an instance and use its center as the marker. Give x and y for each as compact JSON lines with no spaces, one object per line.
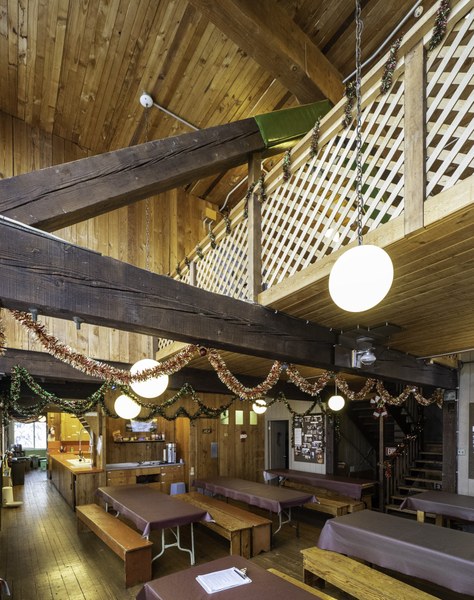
{"x":171,"y":453}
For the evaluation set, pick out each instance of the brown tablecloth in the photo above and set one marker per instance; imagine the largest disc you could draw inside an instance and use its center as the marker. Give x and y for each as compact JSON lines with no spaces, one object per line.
{"x":442,"y":503}
{"x":183,"y":585}
{"x":437,"y":554}
{"x":342,"y":485}
{"x":264,"y":496}
{"x":148,"y":508}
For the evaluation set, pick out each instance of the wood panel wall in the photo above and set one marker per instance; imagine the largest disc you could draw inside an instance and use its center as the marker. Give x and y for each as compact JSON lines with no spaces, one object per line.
{"x":153,"y":233}
{"x":236,"y":456}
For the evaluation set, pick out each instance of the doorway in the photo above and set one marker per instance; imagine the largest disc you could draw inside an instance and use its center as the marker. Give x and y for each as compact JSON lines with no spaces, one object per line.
{"x":278,"y":444}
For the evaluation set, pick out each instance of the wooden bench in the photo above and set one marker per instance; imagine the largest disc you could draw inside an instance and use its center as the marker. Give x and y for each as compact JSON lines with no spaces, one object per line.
{"x":355,"y":578}
{"x":133,"y":549}
{"x":329,"y":502}
{"x":304,"y":586}
{"x":248,"y":533}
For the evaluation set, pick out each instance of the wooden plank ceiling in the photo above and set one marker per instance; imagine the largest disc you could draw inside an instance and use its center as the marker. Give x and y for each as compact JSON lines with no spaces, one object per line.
{"x":77,"y":69}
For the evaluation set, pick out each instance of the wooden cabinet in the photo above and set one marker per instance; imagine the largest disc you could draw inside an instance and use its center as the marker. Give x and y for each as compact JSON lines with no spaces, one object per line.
{"x":169,"y":475}
{"x":63,"y":481}
{"x":164,"y":476}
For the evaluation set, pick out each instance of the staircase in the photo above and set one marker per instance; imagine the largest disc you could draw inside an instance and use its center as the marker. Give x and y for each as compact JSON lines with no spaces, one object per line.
{"x":425,"y":474}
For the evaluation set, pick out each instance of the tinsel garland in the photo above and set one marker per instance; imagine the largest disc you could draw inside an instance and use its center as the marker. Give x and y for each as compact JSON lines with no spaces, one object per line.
{"x":314,"y":144}
{"x":390,"y":66}
{"x":212,"y":239}
{"x":178,"y":272}
{"x":360,"y":395}
{"x":441,"y":21}
{"x":181,"y":359}
{"x":96,"y":368}
{"x":226,"y":216}
{"x":248,"y":195}
{"x":238,"y":388}
{"x":262,"y":188}
{"x":350,"y":96}
{"x":301,"y":383}
{"x":287,"y":166}
{"x":199,"y":252}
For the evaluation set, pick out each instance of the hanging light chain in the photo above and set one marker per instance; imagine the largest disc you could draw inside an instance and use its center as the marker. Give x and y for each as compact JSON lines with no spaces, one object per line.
{"x":360,"y":202}
{"x":147,"y":203}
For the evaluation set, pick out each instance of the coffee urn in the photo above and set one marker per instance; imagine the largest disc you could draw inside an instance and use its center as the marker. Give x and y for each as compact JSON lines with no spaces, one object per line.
{"x":171,"y":453}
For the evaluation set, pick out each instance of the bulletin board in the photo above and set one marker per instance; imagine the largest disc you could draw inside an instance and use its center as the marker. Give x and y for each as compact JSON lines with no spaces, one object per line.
{"x":308,"y":438}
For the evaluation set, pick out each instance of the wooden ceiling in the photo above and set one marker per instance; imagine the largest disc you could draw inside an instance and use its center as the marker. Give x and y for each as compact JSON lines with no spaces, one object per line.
{"x":77,"y":69}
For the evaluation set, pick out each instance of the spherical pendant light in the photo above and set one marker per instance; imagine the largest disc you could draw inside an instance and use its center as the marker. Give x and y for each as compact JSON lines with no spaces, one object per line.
{"x":361,"y":278}
{"x":259,"y":406}
{"x":153,"y":387}
{"x":336,"y":403}
{"x":126,"y":408}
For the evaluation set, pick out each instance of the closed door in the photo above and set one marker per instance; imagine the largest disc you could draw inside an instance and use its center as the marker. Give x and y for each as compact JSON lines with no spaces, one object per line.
{"x":279,"y":444}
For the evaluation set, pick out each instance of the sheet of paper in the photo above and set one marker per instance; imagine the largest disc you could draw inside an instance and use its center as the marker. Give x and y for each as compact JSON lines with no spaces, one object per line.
{"x":222,"y":580}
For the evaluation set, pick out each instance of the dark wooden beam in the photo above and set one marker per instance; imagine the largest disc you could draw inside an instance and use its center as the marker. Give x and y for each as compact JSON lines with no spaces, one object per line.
{"x":65,"y":194}
{"x":268,"y":34}
{"x":67,"y":382}
{"x":61,"y":280}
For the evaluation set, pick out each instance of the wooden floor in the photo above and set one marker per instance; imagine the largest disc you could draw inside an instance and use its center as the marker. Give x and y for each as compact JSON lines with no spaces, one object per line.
{"x":43,"y":557}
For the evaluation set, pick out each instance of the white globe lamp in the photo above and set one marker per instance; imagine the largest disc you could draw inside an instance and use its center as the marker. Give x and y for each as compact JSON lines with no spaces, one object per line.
{"x":259,"y":406}
{"x":361,"y":278}
{"x":126,"y":408}
{"x":153,"y":387}
{"x":336,"y":403}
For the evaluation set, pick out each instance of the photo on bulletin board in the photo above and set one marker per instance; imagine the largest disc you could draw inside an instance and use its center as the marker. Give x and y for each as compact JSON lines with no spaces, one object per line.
{"x":308,"y":438}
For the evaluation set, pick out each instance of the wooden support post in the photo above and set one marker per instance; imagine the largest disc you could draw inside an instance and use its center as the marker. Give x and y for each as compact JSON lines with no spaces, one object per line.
{"x":193,"y":273}
{"x":254,"y":231}
{"x":381,"y":465}
{"x":415,"y":138}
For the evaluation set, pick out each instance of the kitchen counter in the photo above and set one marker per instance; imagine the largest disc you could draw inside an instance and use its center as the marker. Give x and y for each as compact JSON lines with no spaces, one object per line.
{"x":75,"y":481}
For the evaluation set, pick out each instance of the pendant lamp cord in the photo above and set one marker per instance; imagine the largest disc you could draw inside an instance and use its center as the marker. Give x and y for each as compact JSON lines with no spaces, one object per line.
{"x":360,"y":202}
{"x":147,"y":204}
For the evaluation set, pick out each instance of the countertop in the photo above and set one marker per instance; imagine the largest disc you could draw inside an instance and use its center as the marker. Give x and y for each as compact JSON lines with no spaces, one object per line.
{"x":147,"y":464}
{"x":63,"y":458}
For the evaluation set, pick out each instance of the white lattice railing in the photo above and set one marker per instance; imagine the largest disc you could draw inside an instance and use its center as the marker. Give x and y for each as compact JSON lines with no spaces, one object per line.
{"x":314,"y":212}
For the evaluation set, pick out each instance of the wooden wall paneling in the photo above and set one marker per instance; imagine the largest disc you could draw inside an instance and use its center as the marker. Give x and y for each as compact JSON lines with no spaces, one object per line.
{"x":183,"y":445}
{"x":6,"y":155}
{"x":55,"y":34}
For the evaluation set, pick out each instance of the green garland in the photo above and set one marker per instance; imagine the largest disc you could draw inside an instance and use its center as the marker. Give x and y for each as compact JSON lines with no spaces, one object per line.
{"x":350,"y":94}
{"x":390,"y":66}
{"x":287,"y":166}
{"x":439,"y":30}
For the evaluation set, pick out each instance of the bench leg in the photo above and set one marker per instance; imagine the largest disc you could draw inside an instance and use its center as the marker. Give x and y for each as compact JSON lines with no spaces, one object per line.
{"x":138,"y":566}
{"x":261,"y":539}
{"x":313,"y":580}
{"x":246,"y":543}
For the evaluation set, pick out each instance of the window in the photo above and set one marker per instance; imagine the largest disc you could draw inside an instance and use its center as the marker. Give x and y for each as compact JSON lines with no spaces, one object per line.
{"x":31,"y":435}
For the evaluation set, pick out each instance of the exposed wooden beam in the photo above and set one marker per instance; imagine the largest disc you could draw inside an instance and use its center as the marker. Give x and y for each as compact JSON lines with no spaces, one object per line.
{"x":268,"y":34}
{"x":65,"y":194}
{"x":62,"y":280}
{"x":67,"y":382}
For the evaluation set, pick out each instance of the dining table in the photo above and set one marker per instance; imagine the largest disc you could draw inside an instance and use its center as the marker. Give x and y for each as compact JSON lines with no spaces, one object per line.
{"x":264,"y":585}
{"x":272,"y":498}
{"x":346,"y":486}
{"x":441,"y":555}
{"x":149,"y":509}
{"x":441,"y":504}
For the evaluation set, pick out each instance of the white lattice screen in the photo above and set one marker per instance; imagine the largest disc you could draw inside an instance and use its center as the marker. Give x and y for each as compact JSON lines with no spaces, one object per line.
{"x":450,"y":109}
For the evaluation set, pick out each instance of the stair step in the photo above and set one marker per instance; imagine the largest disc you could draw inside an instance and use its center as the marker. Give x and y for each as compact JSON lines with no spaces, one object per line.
{"x":429,"y":453}
{"x":423,"y":470}
{"x":410,"y":488}
{"x":422,"y":479}
{"x":429,"y":462}
{"x":400,"y":497}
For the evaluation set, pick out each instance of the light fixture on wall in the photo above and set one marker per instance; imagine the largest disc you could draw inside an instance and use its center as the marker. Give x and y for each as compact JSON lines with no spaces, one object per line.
{"x":337,"y":401}
{"x":363,"y":355}
{"x":126,"y":408}
{"x":362,"y":276}
{"x":259,"y":406}
{"x":150,"y":388}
